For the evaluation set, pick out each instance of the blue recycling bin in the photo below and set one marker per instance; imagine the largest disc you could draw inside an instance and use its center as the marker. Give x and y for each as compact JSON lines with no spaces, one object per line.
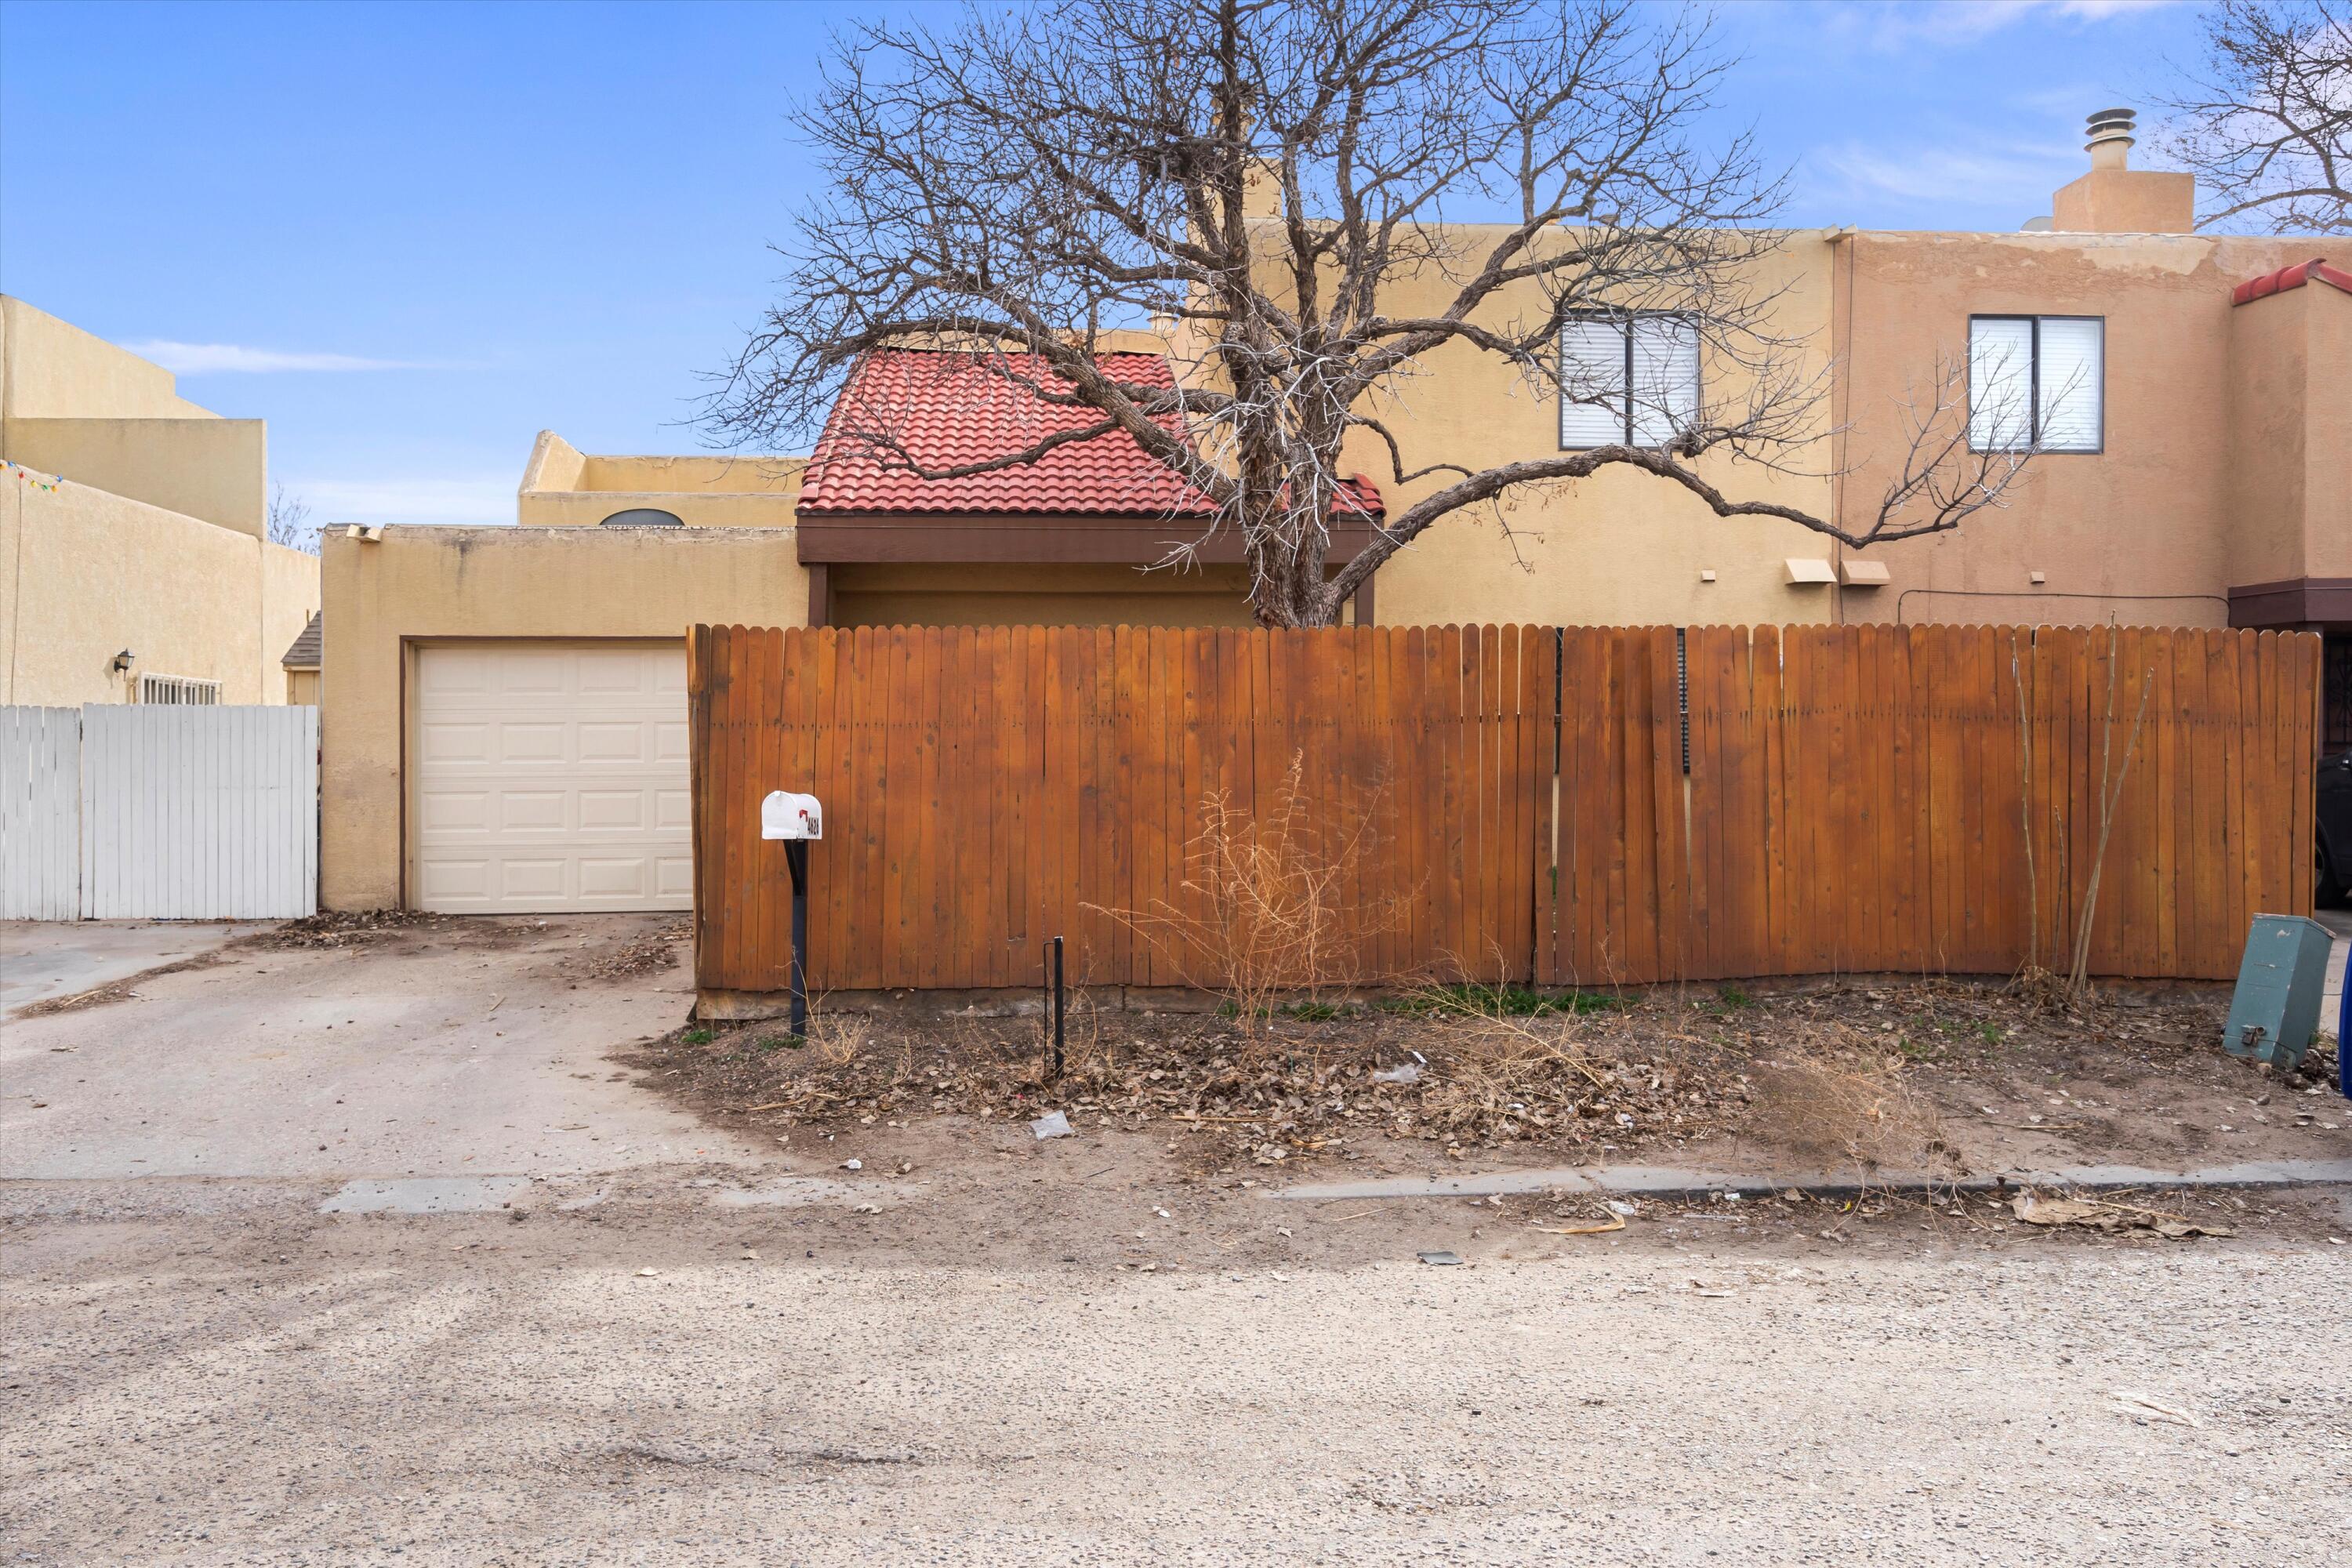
{"x":2344,"y":1032}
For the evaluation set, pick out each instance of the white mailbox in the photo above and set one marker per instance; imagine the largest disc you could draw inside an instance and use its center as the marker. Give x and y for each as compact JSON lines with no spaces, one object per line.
{"x":784,"y":814}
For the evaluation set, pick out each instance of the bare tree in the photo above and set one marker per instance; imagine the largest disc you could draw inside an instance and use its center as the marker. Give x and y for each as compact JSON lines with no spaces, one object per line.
{"x":1290,"y":188}
{"x":288,"y":522}
{"x":2266,"y":123}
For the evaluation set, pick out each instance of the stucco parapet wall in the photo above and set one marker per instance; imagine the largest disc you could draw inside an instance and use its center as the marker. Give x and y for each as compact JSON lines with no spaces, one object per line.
{"x":587,"y":509}
{"x":51,"y":368}
{"x":2238,"y":256}
{"x":557,"y":581}
{"x":2173,"y":253}
{"x":564,"y":487}
{"x":212,"y":470}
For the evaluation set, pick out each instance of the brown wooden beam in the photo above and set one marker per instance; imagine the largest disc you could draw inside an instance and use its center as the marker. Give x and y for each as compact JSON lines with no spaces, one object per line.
{"x":820,"y":599}
{"x":2297,"y":602}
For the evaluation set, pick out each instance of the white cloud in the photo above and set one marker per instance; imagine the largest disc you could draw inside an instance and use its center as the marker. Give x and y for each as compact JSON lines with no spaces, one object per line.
{"x":200,"y":358}
{"x":1947,"y":22}
{"x":484,"y":500}
{"x":1949,"y":176}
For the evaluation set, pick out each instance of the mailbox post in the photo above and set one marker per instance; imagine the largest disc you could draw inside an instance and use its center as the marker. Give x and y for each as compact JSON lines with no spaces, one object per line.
{"x":796,"y":819}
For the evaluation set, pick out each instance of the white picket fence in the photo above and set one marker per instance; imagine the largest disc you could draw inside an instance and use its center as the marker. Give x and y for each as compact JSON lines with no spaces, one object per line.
{"x":159,"y":812}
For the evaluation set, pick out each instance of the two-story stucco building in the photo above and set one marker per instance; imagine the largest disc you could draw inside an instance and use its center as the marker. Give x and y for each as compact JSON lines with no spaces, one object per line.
{"x":134,"y":564}
{"x":504,"y":719}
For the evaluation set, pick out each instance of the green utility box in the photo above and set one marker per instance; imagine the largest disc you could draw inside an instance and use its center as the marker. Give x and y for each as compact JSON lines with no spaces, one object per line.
{"x":2275,"y":1009}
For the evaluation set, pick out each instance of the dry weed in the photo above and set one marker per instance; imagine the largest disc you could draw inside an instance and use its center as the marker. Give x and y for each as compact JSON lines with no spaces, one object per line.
{"x":1850,"y":1107}
{"x":1500,"y":1072}
{"x":1271,"y":905}
{"x":2045,"y":992}
{"x":839,"y":1038}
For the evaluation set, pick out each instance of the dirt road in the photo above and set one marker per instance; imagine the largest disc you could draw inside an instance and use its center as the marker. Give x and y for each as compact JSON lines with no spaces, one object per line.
{"x":212,"y":1373}
{"x":1092,"y":1350}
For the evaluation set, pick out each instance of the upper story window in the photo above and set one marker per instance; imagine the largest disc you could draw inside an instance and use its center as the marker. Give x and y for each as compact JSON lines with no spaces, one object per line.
{"x":2037,"y":381}
{"x":642,"y":517}
{"x":1631,"y":379}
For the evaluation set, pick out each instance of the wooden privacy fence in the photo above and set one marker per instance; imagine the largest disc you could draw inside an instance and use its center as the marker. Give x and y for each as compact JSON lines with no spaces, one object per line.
{"x":1866,"y":798}
{"x":988,"y":788}
{"x":1588,"y":806}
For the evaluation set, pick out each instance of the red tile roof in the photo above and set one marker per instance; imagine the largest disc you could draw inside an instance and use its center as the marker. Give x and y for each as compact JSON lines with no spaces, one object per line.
{"x":2294,"y":277}
{"x":949,"y":409}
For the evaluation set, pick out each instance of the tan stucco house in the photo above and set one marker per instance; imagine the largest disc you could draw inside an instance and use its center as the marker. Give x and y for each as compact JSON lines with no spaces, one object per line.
{"x":504,"y":716}
{"x":134,"y":561}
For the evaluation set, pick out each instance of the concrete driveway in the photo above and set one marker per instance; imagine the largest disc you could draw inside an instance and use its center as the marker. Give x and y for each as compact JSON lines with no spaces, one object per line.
{"x":42,"y":959}
{"x":458,"y":1048}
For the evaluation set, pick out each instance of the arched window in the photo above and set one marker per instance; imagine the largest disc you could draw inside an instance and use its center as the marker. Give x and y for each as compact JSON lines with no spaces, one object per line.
{"x":642,"y":517}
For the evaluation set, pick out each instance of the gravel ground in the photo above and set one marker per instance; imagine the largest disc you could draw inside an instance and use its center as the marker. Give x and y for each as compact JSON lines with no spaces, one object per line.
{"x":951,"y":1342}
{"x":215,"y":1374}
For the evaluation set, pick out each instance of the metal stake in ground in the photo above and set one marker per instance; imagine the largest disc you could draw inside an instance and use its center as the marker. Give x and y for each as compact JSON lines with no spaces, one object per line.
{"x":1055,"y":1007}
{"x":796,"y":819}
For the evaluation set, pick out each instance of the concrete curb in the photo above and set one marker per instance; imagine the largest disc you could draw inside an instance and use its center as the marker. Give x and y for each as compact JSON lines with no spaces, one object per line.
{"x":1671,"y":1181}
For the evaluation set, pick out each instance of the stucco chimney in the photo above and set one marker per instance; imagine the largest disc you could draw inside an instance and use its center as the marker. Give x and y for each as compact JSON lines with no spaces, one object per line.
{"x":2116,"y":198}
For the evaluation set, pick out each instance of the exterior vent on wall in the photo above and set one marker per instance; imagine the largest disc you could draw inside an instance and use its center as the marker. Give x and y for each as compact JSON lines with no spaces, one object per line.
{"x":1806,"y":573}
{"x":1860,"y":573}
{"x":178,"y":688}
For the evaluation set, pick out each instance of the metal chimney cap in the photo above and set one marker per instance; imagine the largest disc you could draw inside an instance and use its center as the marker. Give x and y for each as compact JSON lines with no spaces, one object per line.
{"x":2108,"y":124}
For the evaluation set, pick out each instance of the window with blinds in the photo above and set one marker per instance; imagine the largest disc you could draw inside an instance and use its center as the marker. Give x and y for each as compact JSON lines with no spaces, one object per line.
{"x":1630,"y":379}
{"x":2037,"y":382}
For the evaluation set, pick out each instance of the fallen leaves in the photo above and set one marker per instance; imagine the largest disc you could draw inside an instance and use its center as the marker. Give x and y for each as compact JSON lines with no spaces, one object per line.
{"x":341,"y":928}
{"x":2091,"y":1214}
{"x":647,"y":954}
{"x":1616,"y":1222}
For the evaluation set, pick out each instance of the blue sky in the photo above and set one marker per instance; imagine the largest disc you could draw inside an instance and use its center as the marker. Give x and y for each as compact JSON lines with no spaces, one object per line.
{"x":411,"y":237}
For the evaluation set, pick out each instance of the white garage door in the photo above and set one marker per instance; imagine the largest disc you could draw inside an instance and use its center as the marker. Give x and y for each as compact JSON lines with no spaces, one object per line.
{"x":551,"y":776}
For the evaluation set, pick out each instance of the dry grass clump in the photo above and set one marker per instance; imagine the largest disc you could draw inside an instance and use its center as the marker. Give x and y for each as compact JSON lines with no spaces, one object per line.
{"x":1840,"y":1104}
{"x":1270,"y":906}
{"x":2046,"y":993}
{"x":838,"y":1039}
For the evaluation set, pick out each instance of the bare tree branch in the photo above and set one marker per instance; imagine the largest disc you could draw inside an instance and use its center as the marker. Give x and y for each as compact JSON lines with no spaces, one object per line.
{"x":287,"y":522}
{"x":2265,"y":123}
{"x":1013,"y":184}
